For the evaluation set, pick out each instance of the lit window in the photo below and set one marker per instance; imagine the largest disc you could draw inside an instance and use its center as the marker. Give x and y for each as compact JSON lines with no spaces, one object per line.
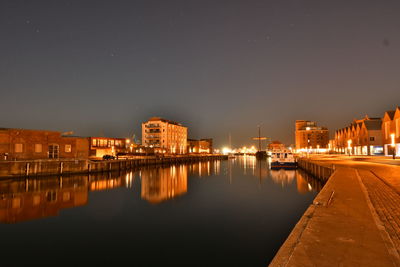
{"x":18,"y":148}
{"x":68,"y":148}
{"x":38,"y":148}
{"x":94,"y":142}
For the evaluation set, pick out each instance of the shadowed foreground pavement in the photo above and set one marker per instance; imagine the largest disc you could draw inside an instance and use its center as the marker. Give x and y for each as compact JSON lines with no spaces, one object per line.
{"x":354,"y":220}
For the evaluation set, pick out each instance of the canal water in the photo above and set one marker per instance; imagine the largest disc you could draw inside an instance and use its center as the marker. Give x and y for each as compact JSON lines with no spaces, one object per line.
{"x":235,"y":212}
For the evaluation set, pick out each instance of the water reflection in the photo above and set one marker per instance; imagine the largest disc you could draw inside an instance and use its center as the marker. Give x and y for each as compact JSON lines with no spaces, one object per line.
{"x":22,"y":200}
{"x":160,"y":184}
{"x":34,"y":198}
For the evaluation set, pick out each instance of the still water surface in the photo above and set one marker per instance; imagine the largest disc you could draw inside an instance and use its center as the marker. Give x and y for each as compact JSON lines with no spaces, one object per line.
{"x":219,"y":213}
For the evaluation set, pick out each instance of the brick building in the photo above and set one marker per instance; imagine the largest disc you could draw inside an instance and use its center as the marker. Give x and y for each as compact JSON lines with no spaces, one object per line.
{"x":22,"y":144}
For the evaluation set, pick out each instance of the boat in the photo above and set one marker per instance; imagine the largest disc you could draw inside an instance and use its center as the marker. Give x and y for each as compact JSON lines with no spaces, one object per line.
{"x":283,"y":159}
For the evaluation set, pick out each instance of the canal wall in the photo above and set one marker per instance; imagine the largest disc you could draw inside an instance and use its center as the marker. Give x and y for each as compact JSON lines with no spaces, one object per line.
{"x":317,"y":170}
{"x":58,"y":167}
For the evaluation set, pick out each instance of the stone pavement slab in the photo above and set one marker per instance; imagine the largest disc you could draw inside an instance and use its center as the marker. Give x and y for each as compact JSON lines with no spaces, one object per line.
{"x":340,"y":228}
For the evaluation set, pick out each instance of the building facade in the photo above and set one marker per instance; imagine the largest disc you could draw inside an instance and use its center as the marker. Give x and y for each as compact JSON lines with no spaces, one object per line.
{"x":22,"y":144}
{"x":391,"y":132}
{"x":101,"y":146}
{"x":202,"y":146}
{"x":309,"y":136}
{"x":164,"y":136}
{"x":361,"y":137}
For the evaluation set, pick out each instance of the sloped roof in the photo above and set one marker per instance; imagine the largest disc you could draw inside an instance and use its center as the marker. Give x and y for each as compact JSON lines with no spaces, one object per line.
{"x":390,"y":113}
{"x":373,"y":124}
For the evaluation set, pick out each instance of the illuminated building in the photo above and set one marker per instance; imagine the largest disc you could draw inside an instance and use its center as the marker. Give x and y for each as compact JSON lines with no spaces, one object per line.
{"x":361,"y":137}
{"x":391,"y":132}
{"x":164,"y":136}
{"x":310,"y":136}
{"x":200,"y":146}
{"x":24,"y":144}
{"x":100,"y":146}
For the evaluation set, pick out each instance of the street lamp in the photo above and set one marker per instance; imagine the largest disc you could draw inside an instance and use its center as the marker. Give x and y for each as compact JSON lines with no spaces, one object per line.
{"x":393,"y":145}
{"x":349,"y":146}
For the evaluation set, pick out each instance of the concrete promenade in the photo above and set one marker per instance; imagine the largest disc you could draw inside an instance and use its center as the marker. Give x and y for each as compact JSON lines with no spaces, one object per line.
{"x":354,"y":220}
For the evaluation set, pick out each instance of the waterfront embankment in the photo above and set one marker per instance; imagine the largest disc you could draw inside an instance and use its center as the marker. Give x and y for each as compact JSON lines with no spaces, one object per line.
{"x":353,"y":221}
{"x":10,"y":169}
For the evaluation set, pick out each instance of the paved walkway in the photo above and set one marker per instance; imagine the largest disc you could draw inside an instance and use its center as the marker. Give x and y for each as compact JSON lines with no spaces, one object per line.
{"x":354,"y":220}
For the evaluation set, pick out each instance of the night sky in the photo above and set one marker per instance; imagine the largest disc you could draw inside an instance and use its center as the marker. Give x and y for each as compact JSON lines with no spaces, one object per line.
{"x":100,"y":68}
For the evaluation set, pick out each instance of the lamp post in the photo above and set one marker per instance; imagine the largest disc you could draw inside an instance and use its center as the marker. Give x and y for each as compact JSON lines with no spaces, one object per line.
{"x":349,"y":146}
{"x":393,"y":145}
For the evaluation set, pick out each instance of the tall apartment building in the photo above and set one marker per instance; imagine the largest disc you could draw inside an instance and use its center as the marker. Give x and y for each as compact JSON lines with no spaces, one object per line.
{"x":164,"y":136}
{"x":310,"y":136}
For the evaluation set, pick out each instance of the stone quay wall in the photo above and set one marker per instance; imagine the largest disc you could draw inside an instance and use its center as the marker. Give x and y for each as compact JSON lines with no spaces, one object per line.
{"x":10,"y":169}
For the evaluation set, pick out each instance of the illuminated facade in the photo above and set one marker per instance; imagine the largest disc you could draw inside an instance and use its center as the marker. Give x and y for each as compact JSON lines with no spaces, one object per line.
{"x":164,"y":136}
{"x":24,"y":144}
{"x":100,"y":146}
{"x":310,"y":136}
{"x":202,"y":146}
{"x":361,"y":137}
{"x":391,"y":132}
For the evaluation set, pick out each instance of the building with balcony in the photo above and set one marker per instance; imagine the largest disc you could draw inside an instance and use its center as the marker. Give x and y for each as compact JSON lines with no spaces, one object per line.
{"x":361,"y":137}
{"x":164,"y":136}
{"x":309,"y":136}
{"x":391,"y":132}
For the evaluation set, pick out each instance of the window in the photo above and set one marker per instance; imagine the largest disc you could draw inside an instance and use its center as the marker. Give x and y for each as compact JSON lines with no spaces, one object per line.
{"x":68,"y":148}
{"x":51,"y":196}
{"x":372,"y":138}
{"x":38,"y":148}
{"x":94,"y":142}
{"x":53,"y":151}
{"x":18,"y":148}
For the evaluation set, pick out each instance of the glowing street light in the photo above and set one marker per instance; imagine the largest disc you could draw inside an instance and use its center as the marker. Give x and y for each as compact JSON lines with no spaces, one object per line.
{"x":393,"y":145}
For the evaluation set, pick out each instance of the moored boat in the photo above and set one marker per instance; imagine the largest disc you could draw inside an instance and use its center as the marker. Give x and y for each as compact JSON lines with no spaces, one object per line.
{"x":283,"y":160}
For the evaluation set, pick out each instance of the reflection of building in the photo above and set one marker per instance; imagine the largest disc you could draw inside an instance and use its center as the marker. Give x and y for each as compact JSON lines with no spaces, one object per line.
{"x":164,"y":136}
{"x":23,"y":144}
{"x":310,"y":136}
{"x":160,"y":184}
{"x":200,"y":146}
{"x":283,"y":177}
{"x":306,"y":182}
{"x":38,"y":198}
